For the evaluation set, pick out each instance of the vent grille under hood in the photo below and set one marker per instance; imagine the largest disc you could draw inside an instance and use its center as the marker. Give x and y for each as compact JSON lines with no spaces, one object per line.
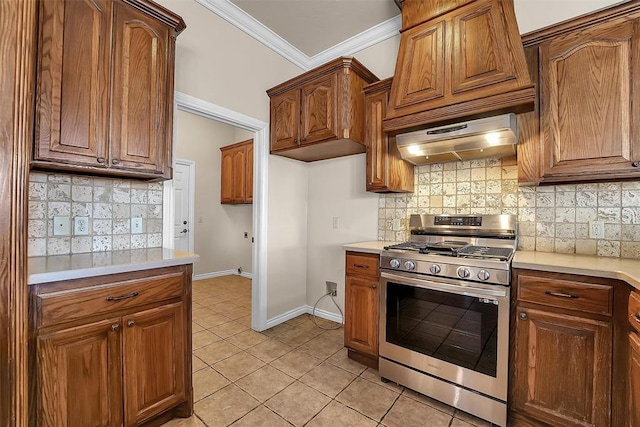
{"x":490,"y":137}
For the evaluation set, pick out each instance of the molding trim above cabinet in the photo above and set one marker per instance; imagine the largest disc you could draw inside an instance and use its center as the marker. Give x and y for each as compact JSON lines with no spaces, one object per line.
{"x":104,"y":101}
{"x":320,"y":114}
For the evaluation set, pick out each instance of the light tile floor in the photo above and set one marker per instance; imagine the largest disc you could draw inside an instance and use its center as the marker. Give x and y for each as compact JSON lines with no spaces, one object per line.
{"x":292,"y":374}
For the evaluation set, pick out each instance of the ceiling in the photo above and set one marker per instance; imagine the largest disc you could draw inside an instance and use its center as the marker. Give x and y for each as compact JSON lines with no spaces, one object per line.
{"x":312,"y":32}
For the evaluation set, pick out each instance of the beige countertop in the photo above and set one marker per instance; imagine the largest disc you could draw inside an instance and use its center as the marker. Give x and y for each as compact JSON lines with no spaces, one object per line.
{"x":627,"y":270}
{"x":372,"y":247}
{"x":65,"y":267}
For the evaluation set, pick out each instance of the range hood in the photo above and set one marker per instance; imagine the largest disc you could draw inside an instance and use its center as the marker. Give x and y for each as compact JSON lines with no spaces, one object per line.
{"x":495,"y":136}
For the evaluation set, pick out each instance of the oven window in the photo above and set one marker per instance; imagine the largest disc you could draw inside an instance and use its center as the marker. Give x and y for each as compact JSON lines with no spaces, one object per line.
{"x":457,"y":329}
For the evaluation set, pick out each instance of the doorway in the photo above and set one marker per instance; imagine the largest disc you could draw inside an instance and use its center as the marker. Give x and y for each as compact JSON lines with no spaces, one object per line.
{"x":259,"y":130}
{"x":183,"y":204}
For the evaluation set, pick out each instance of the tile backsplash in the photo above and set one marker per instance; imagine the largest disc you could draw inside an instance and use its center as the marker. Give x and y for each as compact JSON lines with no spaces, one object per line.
{"x":550,"y":218}
{"x":108,"y":203}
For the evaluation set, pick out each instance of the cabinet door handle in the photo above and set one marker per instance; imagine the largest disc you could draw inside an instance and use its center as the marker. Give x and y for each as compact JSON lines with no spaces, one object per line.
{"x":295,"y":141}
{"x":636,"y":317}
{"x":360,"y":266}
{"x":374,"y":286}
{"x":115,"y":327}
{"x":101,"y":159}
{"x":636,"y":164}
{"x":523,"y":316}
{"x":561,"y":294}
{"x":115,"y":161}
{"x":121,"y":297}
{"x":130,"y":323}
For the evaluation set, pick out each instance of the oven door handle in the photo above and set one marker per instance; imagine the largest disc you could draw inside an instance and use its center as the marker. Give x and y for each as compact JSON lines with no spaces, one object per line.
{"x":460,"y":289}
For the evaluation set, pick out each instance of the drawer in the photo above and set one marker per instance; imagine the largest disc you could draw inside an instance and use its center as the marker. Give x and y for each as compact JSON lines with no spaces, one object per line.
{"x":362,"y":264}
{"x":568,"y":294}
{"x":634,"y":310}
{"x":72,"y":304}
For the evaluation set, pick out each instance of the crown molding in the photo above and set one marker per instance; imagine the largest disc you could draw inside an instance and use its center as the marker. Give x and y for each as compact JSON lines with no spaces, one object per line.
{"x":254,"y":28}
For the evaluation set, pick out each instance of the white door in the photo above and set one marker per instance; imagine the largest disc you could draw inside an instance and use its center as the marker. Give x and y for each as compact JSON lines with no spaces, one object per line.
{"x":183,"y":201}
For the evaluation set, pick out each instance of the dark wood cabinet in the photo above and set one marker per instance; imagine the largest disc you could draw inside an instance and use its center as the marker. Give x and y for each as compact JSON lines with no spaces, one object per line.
{"x":237,"y":173}
{"x":465,"y":62}
{"x":387,"y":172}
{"x":104,"y":101}
{"x":361,"y":307}
{"x":634,"y":380}
{"x":111,"y":350}
{"x":584,"y":129}
{"x":320,"y":114}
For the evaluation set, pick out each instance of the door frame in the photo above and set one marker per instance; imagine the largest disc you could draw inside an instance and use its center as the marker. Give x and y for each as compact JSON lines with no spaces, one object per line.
{"x":192,"y":197}
{"x":202,"y":108}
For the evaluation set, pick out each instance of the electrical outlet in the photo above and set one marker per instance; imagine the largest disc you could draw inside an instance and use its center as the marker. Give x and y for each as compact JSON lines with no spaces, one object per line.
{"x":61,"y":225}
{"x":596,"y":229}
{"x":136,"y":225}
{"x":336,"y":222}
{"x":332,"y":288}
{"x":81,"y":225}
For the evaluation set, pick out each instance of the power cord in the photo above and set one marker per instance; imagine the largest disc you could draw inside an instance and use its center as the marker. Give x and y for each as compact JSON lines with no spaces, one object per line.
{"x":313,"y":312}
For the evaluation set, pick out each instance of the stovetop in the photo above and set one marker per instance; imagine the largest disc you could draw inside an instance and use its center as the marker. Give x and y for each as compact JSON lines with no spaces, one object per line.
{"x":457,"y":249}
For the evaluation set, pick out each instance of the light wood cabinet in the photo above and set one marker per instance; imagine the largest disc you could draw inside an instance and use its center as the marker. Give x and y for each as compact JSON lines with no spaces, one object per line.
{"x":237,"y":173}
{"x":584,"y":129}
{"x":462,"y":63}
{"x":320,"y":114}
{"x":387,"y":172}
{"x":361,"y":307}
{"x":104,"y":101}
{"x":112,"y":350}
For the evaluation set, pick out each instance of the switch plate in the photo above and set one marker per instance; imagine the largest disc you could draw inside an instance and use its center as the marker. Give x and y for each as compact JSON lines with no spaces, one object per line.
{"x":136,"y":225}
{"x":81,"y":225}
{"x":61,"y":226}
{"x":596,"y":229}
{"x":336,"y":222}
{"x":332,"y":288}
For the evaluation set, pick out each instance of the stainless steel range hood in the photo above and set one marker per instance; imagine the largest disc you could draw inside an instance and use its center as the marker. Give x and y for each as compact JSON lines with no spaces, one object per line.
{"x":495,"y":136}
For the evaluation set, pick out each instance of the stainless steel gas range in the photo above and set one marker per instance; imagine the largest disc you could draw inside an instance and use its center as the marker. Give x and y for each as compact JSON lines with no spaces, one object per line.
{"x":444,"y":311}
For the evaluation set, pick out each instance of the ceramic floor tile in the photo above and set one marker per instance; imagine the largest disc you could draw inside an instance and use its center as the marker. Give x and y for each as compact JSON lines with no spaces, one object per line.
{"x":203,"y":338}
{"x":296,"y":363}
{"x":269,"y":350}
{"x":295,"y":337}
{"x":261,"y":417}
{"x":246,"y":339}
{"x":328,"y":379}
{"x":212,"y":320}
{"x":374,"y":376}
{"x":265,"y":383}
{"x":225,"y":330}
{"x":297,"y":403}
{"x":336,"y":335}
{"x":192,"y":421}
{"x":238,"y":365}
{"x":407,"y":412}
{"x":277,"y":330}
{"x":195,"y":328}
{"x":341,"y":360}
{"x":238,"y":312}
{"x":368,"y":398}
{"x":197,"y":364}
{"x":206,"y":382}
{"x":336,"y":414}
{"x":321,"y":348}
{"x":225,"y":406}
{"x":475,"y":421}
{"x":459,"y":423}
{"x":216,"y":352}
{"x":246,"y":320}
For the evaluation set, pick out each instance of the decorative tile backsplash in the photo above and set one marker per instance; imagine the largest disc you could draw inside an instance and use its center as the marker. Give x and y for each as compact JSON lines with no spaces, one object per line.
{"x":108,"y":203}
{"x":550,"y":218}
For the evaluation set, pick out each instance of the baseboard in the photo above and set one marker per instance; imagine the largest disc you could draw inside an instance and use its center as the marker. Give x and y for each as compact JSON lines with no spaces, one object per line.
{"x":328,"y":315}
{"x":221,"y":273}
{"x":275,"y":321}
{"x":247,"y":275}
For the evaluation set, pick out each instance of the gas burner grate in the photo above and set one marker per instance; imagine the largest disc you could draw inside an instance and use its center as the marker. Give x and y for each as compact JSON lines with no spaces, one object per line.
{"x":485,"y":252}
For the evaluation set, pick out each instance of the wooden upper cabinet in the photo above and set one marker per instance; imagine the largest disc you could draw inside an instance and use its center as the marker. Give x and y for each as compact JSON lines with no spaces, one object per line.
{"x":584,"y":126}
{"x":138,"y":105}
{"x":463,"y":63}
{"x":387,"y":172}
{"x":72,"y":109}
{"x":320,"y":114}
{"x":104,"y":101}
{"x":416,"y":12}
{"x":236,"y":174}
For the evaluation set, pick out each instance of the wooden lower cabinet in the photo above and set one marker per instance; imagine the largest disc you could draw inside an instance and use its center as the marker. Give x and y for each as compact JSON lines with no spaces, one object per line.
{"x":127,"y":365}
{"x":634,"y":380}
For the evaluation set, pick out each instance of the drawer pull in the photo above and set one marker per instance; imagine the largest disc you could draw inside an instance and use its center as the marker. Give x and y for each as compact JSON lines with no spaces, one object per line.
{"x":561,"y":294}
{"x":374,"y":286}
{"x":130,"y":323}
{"x":636,"y":317}
{"x":115,"y":327}
{"x":131,"y":295}
{"x":360,"y":266}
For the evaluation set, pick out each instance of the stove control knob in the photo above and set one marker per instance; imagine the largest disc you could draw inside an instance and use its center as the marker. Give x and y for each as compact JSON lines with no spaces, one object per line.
{"x":394,"y":263}
{"x":435,"y":269}
{"x":410,"y":265}
{"x":483,"y":275}
{"x":463,"y":272}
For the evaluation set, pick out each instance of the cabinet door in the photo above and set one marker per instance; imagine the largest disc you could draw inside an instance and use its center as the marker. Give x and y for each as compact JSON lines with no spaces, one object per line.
{"x":79,"y":376}
{"x":239,"y":174}
{"x":249,"y":174}
{"x":319,"y":113}
{"x":226,"y":176}
{"x":153,"y":361}
{"x":634,"y":380}
{"x":588,"y":97}
{"x":139,"y":91}
{"x":72,"y":82}
{"x":361,"y":314}
{"x":377,"y":142}
{"x":562,"y":368}
{"x":285,"y":120}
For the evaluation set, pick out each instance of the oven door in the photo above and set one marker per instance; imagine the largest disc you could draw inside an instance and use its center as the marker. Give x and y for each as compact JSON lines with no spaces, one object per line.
{"x":454,"y":330}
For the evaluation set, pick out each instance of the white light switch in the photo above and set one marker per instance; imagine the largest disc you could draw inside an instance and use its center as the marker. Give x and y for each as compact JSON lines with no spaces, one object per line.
{"x":336,"y":222}
{"x":136,"y":225}
{"x":61,"y":226}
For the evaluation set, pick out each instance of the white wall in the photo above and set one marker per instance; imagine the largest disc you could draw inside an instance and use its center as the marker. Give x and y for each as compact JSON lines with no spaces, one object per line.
{"x":535,"y":14}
